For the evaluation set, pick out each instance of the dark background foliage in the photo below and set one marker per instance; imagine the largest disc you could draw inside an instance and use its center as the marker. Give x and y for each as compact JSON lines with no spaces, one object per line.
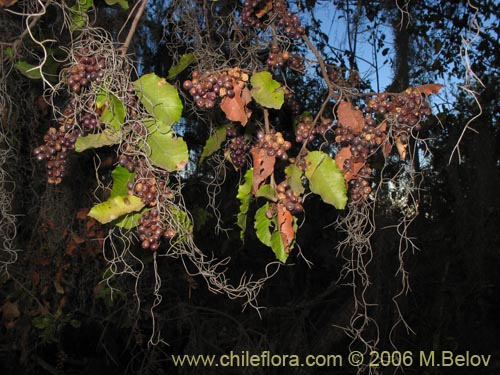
{"x":455,"y":284}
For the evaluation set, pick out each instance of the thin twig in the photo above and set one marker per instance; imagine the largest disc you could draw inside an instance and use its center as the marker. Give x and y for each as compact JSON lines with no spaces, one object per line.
{"x":133,"y":27}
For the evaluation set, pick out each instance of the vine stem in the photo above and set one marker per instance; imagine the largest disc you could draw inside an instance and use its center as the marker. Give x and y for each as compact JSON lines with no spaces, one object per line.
{"x":133,"y":27}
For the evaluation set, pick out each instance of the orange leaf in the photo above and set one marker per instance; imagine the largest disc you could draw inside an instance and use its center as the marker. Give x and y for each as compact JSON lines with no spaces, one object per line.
{"x":350,"y":116}
{"x":7,"y":3}
{"x":285,"y":224}
{"x":77,"y":239}
{"x":430,"y":88}
{"x":10,"y":314}
{"x":267,"y":7}
{"x":387,"y":148}
{"x":342,"y":156}
{"x":263,"y":167}
{"x":70,"y":249}
{"x":401,"y":148}
{"x":235,"y":108}
{"x":81,"y":214}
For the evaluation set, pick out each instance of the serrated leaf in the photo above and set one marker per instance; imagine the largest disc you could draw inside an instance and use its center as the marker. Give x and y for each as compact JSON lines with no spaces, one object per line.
{"x":266,"y":91}
{"x":121,"y":178}
{"x":186,"y":60}
{"x":105,"y":138}
{"x":266,"y":191}
{"x":235,"y":108}
{"x":278,"y":247}
{"x":160,"y":98}
{"x":294,"y":178}
{"x":286,"y":227}
{"x":326,"y":179}
{"x":262,"y":225}
{"x":122,"y":3}
{"x":116,"y":207}
{"x":244,"y":195}
{"x":263,"y":166}
{"x":167,"y":151}
{"x":114,"y":112}
{"x":214,"y":143}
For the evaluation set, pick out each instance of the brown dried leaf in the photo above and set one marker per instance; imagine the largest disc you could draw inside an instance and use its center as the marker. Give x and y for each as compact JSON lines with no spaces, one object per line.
{"x":285,"y":224}
{"x":342,"y":156}
{"x":81,"y":214}
{"x":401,"y":148}
{"x":263,"y":167}
{"x":266,"y":9}
{"x":350,"y":116}
{"x":430,"y":88}
{"x":235,"y":108}
{"x":7,"y":3}
{"x":387,"y":148}
{"x":10,"y":314}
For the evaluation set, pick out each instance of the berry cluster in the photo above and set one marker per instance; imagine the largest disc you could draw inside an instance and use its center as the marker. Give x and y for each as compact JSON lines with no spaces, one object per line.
{"x":206,"y":88}
{"x":292,"y":103}
{"x":273,"y":143}
{"x":252,"y":12}
{"x":404,"y":110}
{"x":151,"y":230}
{"x":238,"y":149}
{"x":359,"y":186}
{"x":57,"y":144}
{"x":362,"y":143}
{"x":90,"y":68}
{"x":288,"y":198}
{"x":305,"y":130}
{"x":90,"y":122}
{"x":128,"y":162}
{"x":144,"y":188}
{"x":289,"y":21}
{"x":278,"y":59}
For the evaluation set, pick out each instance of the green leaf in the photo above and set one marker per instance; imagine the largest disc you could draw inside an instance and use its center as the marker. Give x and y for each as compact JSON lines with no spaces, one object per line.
{"x":167,"y":151}
{"x":326,"y":179}
{"x":266,"y":91}
{"x":28,"y":70}
{"x":79,"y":16}
{"x":262,"y":225}
{"x":121,"y":178}
{"x":294,"y":178}
{"x":266,"y":191}
{"x":181,"y":219}
{"x":113,"y":208}
{"x":129,"y":221}
{"x":214,"y":142}
{"x":122,"y":3}
{"x":106,"y":138}
{"x":160,"y":98}
{"x":114,"y":113}
{"x":244,"y":195}
{"x":278,"y":247}
{"x":186,"y":60}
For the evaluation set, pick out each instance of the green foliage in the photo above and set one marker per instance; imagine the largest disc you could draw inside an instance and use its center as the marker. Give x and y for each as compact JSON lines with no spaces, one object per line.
{"x":266,"y":191}
{"x":263,"y":225}
{"x":294,"y":178}
{"x":167,"y":151}
{"x":114,"y":112}
{"x":122,"y":3}
{"x":160,"y":98}
{"x":106,"y":138}
{"x":186,"y":60}
{"x":121,"y":178}
{"x":79,"y":15}
{"x":214,"y":142}
{"x":115,"y":207}
{"x":50,"y":325}
{"x":244,"y":195}
{"x":326,"y":179}
{"x":266,"y":91}
{"x":267,"y":231}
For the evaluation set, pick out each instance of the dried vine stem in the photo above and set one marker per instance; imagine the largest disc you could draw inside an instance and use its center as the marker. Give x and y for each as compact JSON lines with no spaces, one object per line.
{"x":133,"y":27}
